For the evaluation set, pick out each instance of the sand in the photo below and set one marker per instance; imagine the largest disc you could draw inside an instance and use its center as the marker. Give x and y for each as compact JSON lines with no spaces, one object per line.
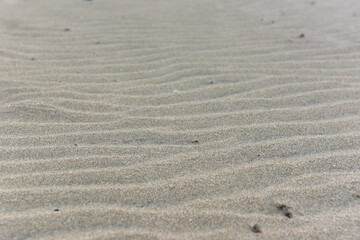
{"x":191,"y":119}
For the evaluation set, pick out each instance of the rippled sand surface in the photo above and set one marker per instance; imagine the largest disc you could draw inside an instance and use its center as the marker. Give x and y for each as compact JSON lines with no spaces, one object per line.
{"x":191,"y":119}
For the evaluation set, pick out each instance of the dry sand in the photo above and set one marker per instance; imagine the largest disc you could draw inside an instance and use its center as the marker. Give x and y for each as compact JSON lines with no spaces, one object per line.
{"x":139,"y":119}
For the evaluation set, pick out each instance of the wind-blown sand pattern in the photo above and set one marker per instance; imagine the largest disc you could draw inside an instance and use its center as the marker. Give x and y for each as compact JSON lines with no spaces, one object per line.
{"x":191,"y":119}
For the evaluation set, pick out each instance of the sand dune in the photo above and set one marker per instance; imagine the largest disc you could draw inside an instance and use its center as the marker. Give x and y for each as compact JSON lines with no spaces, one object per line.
{"x":179,"y":119}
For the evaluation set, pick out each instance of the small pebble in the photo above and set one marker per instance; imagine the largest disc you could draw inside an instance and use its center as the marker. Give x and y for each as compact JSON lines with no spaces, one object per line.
{"x":256,"y":228}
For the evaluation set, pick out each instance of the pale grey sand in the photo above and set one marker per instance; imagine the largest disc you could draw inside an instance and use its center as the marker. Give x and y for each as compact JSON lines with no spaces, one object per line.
{"x":191,"y":119}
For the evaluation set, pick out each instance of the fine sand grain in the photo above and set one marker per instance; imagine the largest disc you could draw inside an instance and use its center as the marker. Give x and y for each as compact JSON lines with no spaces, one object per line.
{"x":189,"y":119}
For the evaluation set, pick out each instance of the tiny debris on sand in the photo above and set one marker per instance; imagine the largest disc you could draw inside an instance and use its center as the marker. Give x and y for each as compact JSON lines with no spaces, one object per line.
{"x":285,"y":210}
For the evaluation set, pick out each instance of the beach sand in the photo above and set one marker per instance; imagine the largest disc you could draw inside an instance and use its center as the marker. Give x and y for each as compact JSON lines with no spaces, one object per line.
{"x":191,"y":119}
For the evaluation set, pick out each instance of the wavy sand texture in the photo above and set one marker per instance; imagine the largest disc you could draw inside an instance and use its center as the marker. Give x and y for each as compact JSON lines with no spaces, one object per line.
{"x":191,"y":119}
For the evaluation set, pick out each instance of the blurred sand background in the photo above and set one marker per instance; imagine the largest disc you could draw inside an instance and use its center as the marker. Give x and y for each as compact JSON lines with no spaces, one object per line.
{"x":191,"y":119}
